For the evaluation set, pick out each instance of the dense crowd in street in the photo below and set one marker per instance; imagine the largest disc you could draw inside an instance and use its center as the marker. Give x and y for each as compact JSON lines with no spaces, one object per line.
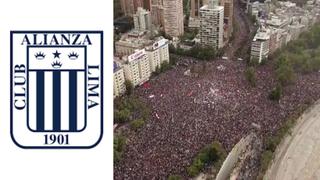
{"x":190,"y":112}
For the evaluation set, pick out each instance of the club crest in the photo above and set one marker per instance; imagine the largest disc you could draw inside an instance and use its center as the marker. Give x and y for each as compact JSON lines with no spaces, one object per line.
{"x":56,"y":89}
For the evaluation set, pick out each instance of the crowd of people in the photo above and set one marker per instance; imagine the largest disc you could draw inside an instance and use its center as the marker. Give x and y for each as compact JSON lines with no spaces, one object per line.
{"x":190,"y":112}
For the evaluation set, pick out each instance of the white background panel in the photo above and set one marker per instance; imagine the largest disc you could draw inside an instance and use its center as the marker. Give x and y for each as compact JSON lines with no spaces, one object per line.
{"x":17,"y":163}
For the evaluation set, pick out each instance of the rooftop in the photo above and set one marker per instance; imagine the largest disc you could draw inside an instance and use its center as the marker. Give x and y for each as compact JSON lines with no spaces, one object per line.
{"x":262,"y":34}
{"x":116,"y":64}
{"x":158,"y":42}
{"x":206,"y":7}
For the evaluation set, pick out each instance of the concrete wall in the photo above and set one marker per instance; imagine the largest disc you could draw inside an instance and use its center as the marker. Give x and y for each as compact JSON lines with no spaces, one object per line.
{"x":232,"y":158}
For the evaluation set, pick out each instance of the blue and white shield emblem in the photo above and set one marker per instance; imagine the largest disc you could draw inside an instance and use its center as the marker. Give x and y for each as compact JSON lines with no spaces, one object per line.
{"x":56,"y":89}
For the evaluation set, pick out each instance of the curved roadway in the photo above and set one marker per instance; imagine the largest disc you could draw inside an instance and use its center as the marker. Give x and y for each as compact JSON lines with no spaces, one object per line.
{"x":299,"y":156}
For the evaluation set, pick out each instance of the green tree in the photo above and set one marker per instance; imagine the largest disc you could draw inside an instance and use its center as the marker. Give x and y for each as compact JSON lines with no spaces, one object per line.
{"x":284,"y":71}
{"x":189,"y":35}
{"x":164,"y":66}
{"x":174,"y":177}
{"x":263,"y":61}
{"x":253,"y":62}
{"x":276,"y":93}
{"x":119,"y":142}
{"x":157,"y":71}
{"x":285,"y":74}
{"x":307,"y":66}
{"x":172,"y":49}
{"x":173,"y":60}
{"x":203,"y":52}
{"x":315,"y":63}
{"x":192,"y":171}
{"x":121,"y":116}
{"x":251,"y":76}
{"x":129,"y":87}
{"x":211,"y":154}
{"x":266,"y":158}
{"x":186,"y":7}
{"x":137,"y":124}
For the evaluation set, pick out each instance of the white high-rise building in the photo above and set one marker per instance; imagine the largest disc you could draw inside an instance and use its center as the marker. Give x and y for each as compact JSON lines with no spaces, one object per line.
{"x":194,"y":21}
{"x":158,"y":53}
{"x":157,"y":12}
{"x":260,"y":45}
{"x":142,"y":19}
{"x":137,"y":67}
{"x":173,"y":17}
{"x":129,"y":7}
{"x":211,"y":24}
{"x":228,"y":19}
{"x":118,"y":80}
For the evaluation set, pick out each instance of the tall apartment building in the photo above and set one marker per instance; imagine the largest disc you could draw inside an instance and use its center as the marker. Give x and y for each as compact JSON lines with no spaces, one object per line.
{"x":142,"y":20}
{"x":137,"y":68}
{"x":157,"y":12}
{"x":158,"y":53}
{"x":260,"y":45}
{"x":118,"y":80}
{"x":147,"y":5}
{"x":195,"y":7}
{"x":211,"y":24}
{"x":129,"y":7}
{"x":295,"y":30}
{"x":273,"y":40}
{"x":173,"y":17}
{"x":282,"y":38}
{"x":228,"y":18}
